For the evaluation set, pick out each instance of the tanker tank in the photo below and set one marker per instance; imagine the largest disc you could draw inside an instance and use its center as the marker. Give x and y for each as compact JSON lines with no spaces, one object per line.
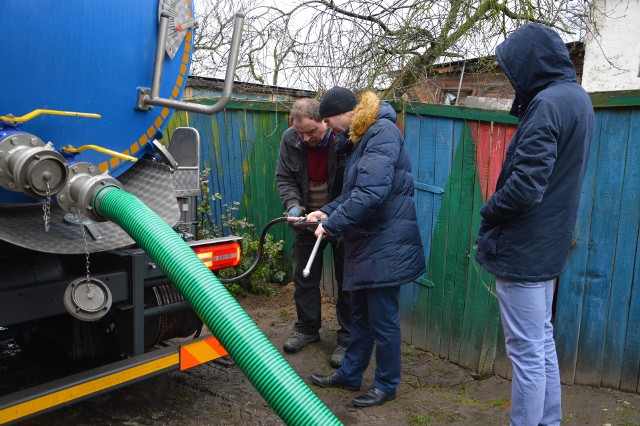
{"x":88,"y":88}
{"x":90,"y":58}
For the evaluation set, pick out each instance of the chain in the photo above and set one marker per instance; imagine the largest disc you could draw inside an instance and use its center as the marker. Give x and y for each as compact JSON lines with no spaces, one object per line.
{"x":86,"y":251}
{"x":46,"y":208}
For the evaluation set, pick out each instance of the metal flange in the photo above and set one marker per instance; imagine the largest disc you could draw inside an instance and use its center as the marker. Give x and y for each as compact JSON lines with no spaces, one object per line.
{"x":79,"y":193}
{"x":29,"y":165}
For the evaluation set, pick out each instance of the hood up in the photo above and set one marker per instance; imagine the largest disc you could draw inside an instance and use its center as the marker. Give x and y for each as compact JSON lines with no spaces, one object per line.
{"x":534,"y":57}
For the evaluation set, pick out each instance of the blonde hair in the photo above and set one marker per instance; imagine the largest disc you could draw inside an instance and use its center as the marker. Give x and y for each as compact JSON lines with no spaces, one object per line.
{"x":364,"y":116}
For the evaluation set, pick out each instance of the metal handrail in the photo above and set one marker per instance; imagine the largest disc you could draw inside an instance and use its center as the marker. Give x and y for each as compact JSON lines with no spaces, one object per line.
{"x":152,"y":98}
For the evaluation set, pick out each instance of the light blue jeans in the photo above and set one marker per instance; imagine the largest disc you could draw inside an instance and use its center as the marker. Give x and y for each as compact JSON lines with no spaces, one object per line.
{"x":525,"y":308}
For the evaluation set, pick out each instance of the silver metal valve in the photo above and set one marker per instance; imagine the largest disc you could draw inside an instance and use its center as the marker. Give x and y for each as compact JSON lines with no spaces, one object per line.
{"x":29,"y":165}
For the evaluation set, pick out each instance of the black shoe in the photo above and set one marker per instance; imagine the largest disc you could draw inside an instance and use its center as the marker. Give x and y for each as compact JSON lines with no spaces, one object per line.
{"x":336,"y":357}
{"x":372,"y":397}
{"x":332,"y":381}
{"x":299,"y":340}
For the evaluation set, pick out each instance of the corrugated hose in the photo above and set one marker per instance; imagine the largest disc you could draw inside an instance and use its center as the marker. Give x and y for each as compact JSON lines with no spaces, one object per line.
{"x":259,"y":360}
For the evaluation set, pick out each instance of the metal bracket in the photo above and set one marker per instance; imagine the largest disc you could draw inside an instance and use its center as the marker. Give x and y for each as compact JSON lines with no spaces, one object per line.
{"x":147,"y":98}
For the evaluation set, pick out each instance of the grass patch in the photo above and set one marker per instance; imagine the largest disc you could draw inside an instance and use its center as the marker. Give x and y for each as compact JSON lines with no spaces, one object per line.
{"x":284,"y":314}
{"x":434,"y":417}
{"x":443,"y":389}
{"x":469,"y":402}
{"x":498,"y":402}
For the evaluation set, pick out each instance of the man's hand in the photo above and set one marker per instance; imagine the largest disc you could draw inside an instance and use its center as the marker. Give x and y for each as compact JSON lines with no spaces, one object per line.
{"x":316,"y":216}
{"x":320,"y":231}
{"x":295,"y":211}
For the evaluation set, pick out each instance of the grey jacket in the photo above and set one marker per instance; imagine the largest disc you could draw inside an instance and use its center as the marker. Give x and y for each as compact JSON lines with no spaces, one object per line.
{"x":291,"y":172}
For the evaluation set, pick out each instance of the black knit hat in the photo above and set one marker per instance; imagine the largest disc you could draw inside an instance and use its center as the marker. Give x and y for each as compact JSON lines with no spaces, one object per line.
{"x":336,"y":101}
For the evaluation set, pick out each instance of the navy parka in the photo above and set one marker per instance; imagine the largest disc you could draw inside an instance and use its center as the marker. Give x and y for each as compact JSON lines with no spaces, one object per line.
{"x":376,"y":214}
{"x":528,"y":223}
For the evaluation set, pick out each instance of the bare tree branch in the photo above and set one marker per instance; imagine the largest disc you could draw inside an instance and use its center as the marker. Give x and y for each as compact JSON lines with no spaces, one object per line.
{"x":314,"y":44}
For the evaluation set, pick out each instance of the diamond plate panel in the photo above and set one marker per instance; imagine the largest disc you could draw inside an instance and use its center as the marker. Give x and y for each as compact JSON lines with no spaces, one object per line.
{"x":24,"y":225}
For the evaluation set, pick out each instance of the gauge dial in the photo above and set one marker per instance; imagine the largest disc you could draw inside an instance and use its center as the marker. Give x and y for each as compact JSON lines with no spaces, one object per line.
{"x":180,"y":20}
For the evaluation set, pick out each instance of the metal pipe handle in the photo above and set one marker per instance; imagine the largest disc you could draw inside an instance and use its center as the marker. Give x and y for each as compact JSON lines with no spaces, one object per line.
{"x":307,"y":269}
{"x":147,"y":98}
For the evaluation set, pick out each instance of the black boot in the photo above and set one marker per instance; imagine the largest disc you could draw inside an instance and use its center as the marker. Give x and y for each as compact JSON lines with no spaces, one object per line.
{"x":372,"y":397}
{"x":336,"y":357}
{"x":332,"y":381}
{"x":299,"y":340}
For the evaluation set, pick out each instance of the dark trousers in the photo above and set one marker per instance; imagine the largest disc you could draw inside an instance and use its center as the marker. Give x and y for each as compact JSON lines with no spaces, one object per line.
{"x":375,"y":320}
{"x":307,"y":290}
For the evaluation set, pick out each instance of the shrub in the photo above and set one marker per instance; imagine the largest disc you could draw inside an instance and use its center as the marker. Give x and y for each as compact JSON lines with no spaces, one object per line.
{"x":267,"y":271}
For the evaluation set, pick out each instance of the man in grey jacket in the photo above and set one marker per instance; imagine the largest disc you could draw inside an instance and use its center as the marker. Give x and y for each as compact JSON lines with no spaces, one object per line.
{"x":309,"y":175}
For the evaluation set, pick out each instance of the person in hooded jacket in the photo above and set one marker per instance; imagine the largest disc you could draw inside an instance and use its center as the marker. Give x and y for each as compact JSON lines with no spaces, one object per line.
{"x":528,"y":223}
{"x":376,"y":217}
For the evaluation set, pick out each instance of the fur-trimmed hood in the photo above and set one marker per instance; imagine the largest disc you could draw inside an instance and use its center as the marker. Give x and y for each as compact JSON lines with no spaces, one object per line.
{"x":367,"y":112}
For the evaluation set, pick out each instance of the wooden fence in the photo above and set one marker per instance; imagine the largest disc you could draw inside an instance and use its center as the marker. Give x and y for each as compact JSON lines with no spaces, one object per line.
{"x":453,"y":310}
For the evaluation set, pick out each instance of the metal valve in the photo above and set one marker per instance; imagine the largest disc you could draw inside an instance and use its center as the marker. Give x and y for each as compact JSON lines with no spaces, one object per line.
{"x":29,"y":165}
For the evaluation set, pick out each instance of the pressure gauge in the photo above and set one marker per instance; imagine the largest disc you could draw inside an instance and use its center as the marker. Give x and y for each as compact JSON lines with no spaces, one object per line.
{"x":180,"y":20}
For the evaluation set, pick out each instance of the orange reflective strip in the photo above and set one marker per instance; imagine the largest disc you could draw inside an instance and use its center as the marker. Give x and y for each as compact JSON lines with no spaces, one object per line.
{"x":200,"y":352}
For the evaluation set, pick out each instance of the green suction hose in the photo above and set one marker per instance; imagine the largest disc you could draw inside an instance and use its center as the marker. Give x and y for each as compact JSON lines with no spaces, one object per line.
{"x":263,"y":365}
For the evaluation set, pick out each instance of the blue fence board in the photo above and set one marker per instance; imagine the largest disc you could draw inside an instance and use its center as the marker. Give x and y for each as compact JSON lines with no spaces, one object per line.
{"x":571,"y":285}
{"x":412,"y":294}
{"x":602,"y":238}
{"x":631,"y":363}
{"x":625,"y":243}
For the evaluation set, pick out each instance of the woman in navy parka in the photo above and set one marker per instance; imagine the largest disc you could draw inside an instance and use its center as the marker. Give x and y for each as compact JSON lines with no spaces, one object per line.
{"x":376,"y":217}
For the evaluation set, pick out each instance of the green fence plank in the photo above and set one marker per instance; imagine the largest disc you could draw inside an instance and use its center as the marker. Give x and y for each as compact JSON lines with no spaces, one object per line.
{"x":454,"y":291}
{"x":461,"y":112}
{"x":487,"y":324}
{"x":456,"y":270}
{"x":619,"y":98}
{"x":439,"y":134}
{"x":471,"y":340}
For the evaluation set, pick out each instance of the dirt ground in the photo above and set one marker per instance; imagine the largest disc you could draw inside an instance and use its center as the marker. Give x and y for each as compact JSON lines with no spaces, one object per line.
{"x":432,"y":392}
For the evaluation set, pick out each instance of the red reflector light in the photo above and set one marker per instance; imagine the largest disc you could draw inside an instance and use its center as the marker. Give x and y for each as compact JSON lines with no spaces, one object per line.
{"x":219,"y":256}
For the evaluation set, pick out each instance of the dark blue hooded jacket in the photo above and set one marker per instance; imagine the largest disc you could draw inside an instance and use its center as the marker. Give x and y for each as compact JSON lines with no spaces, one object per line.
{"x":528,"y":223}
{"x":376,"y":214}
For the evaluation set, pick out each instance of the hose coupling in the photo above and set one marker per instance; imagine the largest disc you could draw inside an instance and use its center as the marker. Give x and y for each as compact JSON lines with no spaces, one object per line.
{"x":80,"y":194}
{"x":29,"y":165}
